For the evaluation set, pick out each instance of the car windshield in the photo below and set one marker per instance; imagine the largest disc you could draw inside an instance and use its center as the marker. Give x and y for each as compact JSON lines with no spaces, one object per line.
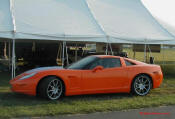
{"x":81,"y":64}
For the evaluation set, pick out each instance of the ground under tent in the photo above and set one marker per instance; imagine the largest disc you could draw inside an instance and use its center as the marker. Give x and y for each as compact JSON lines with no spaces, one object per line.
{"x":34,"y":53}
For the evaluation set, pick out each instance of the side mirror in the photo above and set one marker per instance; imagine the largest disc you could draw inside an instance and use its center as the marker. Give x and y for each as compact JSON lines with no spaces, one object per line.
{"x":97,"y":68}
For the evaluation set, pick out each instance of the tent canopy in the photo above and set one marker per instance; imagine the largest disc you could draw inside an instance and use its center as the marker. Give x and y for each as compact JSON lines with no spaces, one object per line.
{"x":59,"y":19}
{"x":169,"y":28}
{"x":6,"y":26}
{"x":128,"y":20}
{"x":114,"y":21}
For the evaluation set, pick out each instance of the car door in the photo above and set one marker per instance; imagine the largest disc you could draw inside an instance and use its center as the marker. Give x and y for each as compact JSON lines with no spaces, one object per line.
{"x":109,"y":78}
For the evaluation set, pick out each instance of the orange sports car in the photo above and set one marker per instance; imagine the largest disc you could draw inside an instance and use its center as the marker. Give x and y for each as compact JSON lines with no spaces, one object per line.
{"x":91,"y":75}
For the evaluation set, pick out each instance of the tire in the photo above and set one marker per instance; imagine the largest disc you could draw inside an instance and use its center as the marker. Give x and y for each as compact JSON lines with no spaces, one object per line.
{"x":51,"y":88}
{"x":141,"y":85}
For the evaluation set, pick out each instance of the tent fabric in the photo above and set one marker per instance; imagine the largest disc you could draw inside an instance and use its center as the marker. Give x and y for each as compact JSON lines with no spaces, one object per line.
{"x":127,"y":20}
{"x":114,"y":21}
{"x":169,"y":28}
{"x":25,"y":36}
{"x":56,"y":18}
{"x":6,"y":26}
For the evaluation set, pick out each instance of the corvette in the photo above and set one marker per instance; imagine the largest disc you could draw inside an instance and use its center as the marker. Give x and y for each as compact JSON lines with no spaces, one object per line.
{"x":90,"y":75}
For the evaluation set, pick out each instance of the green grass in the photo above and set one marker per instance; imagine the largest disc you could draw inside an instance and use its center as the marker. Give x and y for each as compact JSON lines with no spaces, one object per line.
{"x":168,"y":70}
{"x":16,"y":105}
{"x":165,"y":55}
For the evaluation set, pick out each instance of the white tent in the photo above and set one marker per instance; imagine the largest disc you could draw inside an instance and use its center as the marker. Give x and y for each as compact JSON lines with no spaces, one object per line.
{"x":114,"y":21}
{"x":56,"y":20}
{"x":6,"y":26}
{"x":169,"y":28}
{"x":108,"y":21}
{"x":128,"y":21}
{"x":163,"y":11}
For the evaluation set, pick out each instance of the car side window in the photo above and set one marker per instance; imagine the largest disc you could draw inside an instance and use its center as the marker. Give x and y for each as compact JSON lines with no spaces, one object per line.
{"x":111,"y":62}
{"x":106,"y":63}
{"x":96,"y":63}
{"x":128,"y":63}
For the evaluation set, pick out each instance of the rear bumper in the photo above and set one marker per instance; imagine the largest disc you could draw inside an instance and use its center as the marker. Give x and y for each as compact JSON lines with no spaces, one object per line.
{"x":157,"y":80}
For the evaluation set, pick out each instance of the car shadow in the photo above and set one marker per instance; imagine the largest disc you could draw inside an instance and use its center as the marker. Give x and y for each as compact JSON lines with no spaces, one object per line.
{"x":15,"y":99}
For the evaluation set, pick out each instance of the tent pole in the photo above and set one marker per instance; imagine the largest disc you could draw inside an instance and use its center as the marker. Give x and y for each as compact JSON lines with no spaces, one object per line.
{"x":13,"y":40}
{"x":9,"y":55}
{"x":134,"y":55}
{"x":5,"y":50}
{"x":63,"y":54}
{"x":67,"y":55}
{"x":110,"y":46}
{"x":145,"y":53}
{"x":106,"y":48}
{"x":111,"y":49}
{"x":13,"y":59}
{"x":163,"y":55}
{"x":150,"y":50}
{"x":76,"y":53}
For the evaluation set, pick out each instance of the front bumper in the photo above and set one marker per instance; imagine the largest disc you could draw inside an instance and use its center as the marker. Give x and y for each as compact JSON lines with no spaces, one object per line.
{"x":24,"y":87}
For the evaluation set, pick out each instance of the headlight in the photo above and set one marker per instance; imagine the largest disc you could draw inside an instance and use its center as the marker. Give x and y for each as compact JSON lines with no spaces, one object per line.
{"x":27,"y":76}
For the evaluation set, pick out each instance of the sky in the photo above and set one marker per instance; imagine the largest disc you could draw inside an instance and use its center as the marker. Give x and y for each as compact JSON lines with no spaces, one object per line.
{"x":162,"y":9}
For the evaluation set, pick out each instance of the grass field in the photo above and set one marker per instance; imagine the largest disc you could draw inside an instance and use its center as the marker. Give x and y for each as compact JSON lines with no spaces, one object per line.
{"x":16,"y":105}
{"x":166,"y":56}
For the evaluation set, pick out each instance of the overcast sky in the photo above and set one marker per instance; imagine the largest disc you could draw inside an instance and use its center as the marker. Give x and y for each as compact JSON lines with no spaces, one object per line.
{"x":162,"y":9}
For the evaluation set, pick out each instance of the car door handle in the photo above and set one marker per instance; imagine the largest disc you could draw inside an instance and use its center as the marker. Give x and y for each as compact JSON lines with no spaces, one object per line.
{"x":72,"y":77}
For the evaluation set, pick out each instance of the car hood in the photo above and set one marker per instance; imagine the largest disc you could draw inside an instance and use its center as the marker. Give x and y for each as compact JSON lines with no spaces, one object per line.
{"x":44,"y":69}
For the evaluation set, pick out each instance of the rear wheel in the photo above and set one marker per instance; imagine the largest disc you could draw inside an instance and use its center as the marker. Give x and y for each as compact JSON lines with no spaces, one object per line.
{"x":141,"y":85}
{"x":51,"y":88}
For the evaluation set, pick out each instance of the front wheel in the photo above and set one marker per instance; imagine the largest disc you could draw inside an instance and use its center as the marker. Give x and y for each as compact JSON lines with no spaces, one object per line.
{"x":51,"y":88}
{"x":141,"y":85}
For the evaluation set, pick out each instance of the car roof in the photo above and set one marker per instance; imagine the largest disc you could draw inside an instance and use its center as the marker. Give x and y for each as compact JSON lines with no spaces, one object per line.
{"x":111,"y":56}
{"x":106,"y":56}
